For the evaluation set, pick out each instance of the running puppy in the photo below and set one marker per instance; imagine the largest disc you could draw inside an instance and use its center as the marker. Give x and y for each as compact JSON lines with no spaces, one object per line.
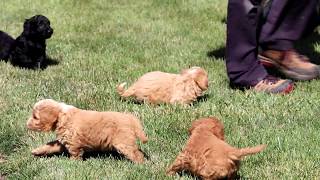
{"x":160,"y":87}
{"x":207,"y":155}
{"x":80,"y":130}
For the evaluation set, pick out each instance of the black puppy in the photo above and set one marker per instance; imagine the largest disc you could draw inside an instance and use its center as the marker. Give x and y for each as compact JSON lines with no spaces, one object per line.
{"x":29,"y":49}
{"x":6,"y":43}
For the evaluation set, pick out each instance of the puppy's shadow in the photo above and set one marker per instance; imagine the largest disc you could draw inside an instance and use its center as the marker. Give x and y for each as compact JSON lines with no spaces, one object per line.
{"x":184,"y":173}
{"x":131,"y":101}
{"x":107,"y":154}
{"x":201,"y":99}
{"x":94,"y":154}
{"x":88,"y":155}
{"x":48,"y":62}
{"x":188,"y":173}
{"x":103,"y":154}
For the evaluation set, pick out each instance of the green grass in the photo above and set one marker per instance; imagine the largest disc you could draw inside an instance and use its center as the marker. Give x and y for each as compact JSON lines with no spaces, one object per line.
{"x":101,"y":43}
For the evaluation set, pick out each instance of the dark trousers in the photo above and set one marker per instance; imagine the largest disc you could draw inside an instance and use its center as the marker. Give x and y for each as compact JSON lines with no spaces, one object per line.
{"x":285,"y":23}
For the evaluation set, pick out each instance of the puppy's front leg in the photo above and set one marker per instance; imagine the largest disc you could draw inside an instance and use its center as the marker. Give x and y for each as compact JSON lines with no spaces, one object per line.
{"x":76,"y":153}
{"x":179,"y":164}
{"x":131,"y":152}
{"x":49,"y":148}
{"x":40,"y":61}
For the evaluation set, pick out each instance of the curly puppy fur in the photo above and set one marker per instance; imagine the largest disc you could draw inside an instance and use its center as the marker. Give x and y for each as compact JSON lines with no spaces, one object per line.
{"x":6,"y":43}
{"x":80,"y":130}
{"x":29,"y":49}
{"x":207,"y":155}
{"x":160,"y":87}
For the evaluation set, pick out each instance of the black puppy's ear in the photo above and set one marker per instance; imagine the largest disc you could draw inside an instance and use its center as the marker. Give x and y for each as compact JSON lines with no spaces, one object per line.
{"x":27,"y":27}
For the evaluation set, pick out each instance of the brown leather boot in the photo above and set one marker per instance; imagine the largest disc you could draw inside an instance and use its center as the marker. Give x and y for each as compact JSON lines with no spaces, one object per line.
{"x":290,"y":63}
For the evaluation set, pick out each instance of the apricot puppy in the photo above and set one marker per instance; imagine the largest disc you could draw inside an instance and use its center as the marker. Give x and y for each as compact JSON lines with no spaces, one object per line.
{"x":80,"y":130}
{"x":160,"y":87}
{"x":207,"y":155}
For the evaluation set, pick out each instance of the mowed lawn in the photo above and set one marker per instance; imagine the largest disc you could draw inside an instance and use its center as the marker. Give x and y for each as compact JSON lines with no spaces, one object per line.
{"x":98,"y":44}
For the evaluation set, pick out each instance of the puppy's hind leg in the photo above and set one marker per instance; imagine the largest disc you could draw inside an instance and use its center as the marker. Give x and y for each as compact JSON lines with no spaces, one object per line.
{"x":49,"y":149}
{"x":131,"y":152}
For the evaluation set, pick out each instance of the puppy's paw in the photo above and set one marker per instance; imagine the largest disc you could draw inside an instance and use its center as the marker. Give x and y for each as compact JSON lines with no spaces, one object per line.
{"x":38,"y":152}
{"x":76,"y":158}
{"x":170,"y":172}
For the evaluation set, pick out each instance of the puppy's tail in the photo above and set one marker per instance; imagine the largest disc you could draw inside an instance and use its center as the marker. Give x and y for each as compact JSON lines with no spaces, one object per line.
{"x":122,"y":92}
{"x":139,"y":130}
{"x":142,"y":136}
{"x":239,"y":153}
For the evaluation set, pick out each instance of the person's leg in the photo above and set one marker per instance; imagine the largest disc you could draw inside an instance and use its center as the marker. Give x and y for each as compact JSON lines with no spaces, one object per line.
{"x":314,"y":22}
{"x":287,"y":22}
{"x":243,"y":67}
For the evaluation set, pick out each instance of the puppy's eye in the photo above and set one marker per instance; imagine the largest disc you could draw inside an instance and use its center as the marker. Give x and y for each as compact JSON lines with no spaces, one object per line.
{"x":34,"y":116}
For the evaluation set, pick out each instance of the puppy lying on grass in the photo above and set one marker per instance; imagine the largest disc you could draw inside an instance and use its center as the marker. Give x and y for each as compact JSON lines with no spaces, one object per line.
{"x":80,"y":130}
{"x":160,"y":87}
{"x":207,"y":155}
{"x":29,"y":49}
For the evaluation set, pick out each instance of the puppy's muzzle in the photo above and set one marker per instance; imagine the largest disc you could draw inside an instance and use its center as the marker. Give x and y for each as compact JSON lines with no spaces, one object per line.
{"x":49,"y":33}
{"x":29,"y":124}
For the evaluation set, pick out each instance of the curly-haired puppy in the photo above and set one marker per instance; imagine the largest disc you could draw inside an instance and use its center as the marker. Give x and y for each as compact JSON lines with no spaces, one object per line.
{"x":207,"y":155}
{"x":29,"y":49}
{"x":80,"y":130}
{"x":160,"y":87}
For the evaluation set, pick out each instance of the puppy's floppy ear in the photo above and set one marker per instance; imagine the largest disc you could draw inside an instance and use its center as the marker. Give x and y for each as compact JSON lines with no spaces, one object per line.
{"x":211,"y":124}
{"x":194,"y":125}
{"x":48,"y":111}
{"x":27,"y":27}
{"x":216,"y":127}
{"x":49,"y":117}
{"x":200,"y":76}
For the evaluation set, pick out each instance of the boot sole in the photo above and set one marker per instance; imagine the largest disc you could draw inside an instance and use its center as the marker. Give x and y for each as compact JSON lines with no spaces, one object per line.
{"x":267,"y":62}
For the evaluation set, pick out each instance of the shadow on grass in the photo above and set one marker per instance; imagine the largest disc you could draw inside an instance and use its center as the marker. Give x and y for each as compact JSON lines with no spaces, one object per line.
{"x":187,"y":173}
{"x":217,"y":53}
{"x":48,"y":62}
{"x":106,"y":154}
{"x":201,"y":99}
{"x":131,"y":100}
{"x":87,"y":155}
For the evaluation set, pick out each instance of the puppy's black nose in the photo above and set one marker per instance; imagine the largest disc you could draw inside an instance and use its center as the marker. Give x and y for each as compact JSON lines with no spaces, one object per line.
{"x":50,"y":31}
